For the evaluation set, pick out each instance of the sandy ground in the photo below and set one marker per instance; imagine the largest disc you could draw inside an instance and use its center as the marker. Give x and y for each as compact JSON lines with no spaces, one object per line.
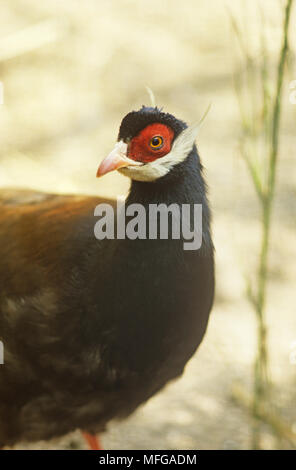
{"x":63,"y":102}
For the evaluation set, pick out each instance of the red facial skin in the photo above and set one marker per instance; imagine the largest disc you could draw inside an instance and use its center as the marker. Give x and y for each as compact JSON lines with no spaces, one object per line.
{"x":140,"y":149}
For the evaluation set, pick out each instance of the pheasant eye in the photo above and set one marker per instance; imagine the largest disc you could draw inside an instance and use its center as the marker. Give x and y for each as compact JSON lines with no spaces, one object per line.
{"x":156,"y":142}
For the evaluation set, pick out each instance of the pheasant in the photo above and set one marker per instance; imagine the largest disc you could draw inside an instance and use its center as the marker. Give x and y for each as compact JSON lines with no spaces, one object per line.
{"x":92,"y":327}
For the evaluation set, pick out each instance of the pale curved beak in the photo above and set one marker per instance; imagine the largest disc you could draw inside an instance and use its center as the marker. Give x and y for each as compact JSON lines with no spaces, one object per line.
{"x":116,"y":159}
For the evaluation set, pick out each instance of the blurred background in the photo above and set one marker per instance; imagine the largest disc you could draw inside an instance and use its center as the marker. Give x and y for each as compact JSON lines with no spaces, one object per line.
{"x":70,"y":71}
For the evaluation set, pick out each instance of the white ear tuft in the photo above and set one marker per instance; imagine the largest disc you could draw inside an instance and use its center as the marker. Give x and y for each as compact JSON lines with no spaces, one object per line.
{"x":185,"y":141}
{"x":151,"y":96}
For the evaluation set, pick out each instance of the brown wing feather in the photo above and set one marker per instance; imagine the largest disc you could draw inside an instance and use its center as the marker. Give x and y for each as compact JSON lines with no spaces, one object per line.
{"x":41,"y":237}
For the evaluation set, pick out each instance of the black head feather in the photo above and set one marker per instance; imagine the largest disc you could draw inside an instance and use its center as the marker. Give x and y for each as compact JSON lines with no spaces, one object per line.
{"x":135,"y":121}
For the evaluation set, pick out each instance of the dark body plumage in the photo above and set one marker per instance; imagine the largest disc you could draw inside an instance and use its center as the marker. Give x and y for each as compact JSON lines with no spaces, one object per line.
{"x":91,"y":329}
